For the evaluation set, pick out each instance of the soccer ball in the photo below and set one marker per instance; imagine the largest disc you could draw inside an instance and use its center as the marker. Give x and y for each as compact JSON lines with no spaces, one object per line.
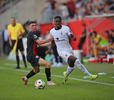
{"x":39,"y":84}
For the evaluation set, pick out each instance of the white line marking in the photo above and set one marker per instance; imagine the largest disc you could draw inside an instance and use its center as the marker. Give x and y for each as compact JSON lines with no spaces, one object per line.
{"x":111,"y":77}
{"x":20,"y":65}
{"x":61,"y":76}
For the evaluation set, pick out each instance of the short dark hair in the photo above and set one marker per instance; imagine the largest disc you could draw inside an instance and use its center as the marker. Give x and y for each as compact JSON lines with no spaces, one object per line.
{"x":90,"y":34}
{"x":83,"y":24}
{"x":31,"y":22}
{"x":13,"y":17}
{"x":94,"y":32}
{"x":57,"y":17}
{"x":107,"y":31}
{"x":112,"y":30}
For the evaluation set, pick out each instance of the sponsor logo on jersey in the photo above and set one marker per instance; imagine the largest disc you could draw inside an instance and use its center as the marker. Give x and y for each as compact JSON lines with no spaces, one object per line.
{"x":70,"y":31}
{"x":57,"y":40}
{"x":35,"y":36}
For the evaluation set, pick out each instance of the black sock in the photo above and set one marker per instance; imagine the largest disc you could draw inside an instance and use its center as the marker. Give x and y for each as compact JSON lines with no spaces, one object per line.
{"x":48,"y":74}
{"x":17,"y":59}
{"x":30,"y":74}
{"x":24,"y":60}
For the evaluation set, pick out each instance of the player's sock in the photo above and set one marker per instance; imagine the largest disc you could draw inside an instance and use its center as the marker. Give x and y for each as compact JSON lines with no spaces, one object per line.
{"x":30,"y":74}
{"x":48,"y":74}
{"x":24,"y":60}
{"x":95,"y":53}
{"x":17,"y":59}
{"x":69,"y":70}
{"x":82,"y":67}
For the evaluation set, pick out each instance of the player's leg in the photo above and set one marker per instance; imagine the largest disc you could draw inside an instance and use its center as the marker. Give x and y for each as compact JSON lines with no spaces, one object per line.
{"x":17,"y":57}
{"x":70,"y":68}
{"x":46,"y":64}
{"x":21,"y":48}
{"x":82,"y":67}
{"x":35,"y":64}
{"x":24,"y":60}
{"x":17,"y":60}
{"x":30,"y":74}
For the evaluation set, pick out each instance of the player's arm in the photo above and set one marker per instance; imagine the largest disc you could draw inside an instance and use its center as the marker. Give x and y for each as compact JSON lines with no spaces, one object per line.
{"x":83,"y":35}
{"x":22,"y":31}
{"x":10,"y":42}
{"x":45,"y":44}
{"x":9,"y":36}
{"x":52,"y":45}
{"x":43,"y":41}
{"x":98,"y":40}
{"x":72,"y":37}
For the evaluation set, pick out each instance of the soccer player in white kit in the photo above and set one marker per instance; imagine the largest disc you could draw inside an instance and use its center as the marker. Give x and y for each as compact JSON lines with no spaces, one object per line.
{"x":61,"y":35}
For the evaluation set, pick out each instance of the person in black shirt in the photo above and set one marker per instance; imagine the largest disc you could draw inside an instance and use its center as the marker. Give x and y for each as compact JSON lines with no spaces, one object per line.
{"x":82,"y":37}
{"x":112,"y":41}
{"x":32,"y":57}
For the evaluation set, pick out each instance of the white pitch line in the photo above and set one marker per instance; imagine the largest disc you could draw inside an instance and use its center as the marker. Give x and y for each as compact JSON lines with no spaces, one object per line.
{"x":20,"y":65}
{"x":61,"y":76}
{"x":111,"y":77}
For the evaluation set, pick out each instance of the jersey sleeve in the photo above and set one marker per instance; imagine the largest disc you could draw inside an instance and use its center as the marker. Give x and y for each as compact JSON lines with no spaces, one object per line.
{"x":22,"y":30}
{"x":51,"y":32}
{"x":69,"y":31}
{"x":34,"y":37}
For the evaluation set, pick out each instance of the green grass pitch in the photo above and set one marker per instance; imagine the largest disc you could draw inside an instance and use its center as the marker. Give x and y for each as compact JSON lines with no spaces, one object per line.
{"x":77,"y":88}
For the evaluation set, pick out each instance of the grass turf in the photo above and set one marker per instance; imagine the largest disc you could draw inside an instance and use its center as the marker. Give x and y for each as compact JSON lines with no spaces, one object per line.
{"x":12,"y":88}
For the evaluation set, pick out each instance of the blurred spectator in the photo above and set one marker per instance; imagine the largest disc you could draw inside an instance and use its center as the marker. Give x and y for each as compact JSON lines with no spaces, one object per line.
{"x":107,"y":35}
{"x":47,"y":12}
{"x":53,"y":4}
{"x":78,"y":4}
{"x":64,"y":11}
{"x":98,"y":45}
{"x":81,"y":12}
{"x":5,"y":41}
{"x":86,"y":11}
{"x":71,"y":8}
{"x":82,"y":37}
{"x":111,"y":48}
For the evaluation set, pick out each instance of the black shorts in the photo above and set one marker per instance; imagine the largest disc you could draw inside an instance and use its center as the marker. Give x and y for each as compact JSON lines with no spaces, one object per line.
{"x":19,"y":45}
{"x":34,"y":60}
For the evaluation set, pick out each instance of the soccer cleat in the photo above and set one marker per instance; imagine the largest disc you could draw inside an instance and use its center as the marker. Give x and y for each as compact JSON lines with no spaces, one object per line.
{"x":24,"y":81}
{"x":17,"y":67}
{"x":93,"y":77}
{"x":65,"y":77}
{"x":51,"y":83}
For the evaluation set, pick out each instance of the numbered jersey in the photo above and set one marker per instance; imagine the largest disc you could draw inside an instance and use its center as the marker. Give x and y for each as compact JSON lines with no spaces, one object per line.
{"x":61,"y":38}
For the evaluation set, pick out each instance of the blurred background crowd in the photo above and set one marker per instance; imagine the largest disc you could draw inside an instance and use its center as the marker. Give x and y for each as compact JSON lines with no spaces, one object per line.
{"x":69,"y":10}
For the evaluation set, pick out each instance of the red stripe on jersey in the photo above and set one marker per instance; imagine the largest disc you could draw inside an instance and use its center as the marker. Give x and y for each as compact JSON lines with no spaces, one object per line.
{"x":34,"y":49}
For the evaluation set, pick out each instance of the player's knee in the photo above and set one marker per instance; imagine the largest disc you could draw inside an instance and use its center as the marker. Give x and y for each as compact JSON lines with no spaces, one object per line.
{"x":48,"y":65}
{"x":36,"y":71}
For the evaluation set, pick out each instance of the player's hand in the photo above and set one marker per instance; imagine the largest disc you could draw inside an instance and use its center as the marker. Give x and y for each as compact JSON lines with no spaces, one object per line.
{"x":47,"y":52}
{"x":18,"y":36}
{"x":73,"y":37}
{"x":10,"y":43}
{"x":51,"y":38}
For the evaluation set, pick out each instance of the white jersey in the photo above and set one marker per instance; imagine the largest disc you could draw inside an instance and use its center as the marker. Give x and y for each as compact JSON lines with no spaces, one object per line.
{"x":61,"y":38}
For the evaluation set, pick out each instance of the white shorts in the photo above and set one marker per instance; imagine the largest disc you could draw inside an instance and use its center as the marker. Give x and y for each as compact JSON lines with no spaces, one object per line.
{"x":65,"y":55}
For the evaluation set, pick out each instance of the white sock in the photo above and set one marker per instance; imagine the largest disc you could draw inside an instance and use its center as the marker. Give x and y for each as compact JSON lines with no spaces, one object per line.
{"x":82,"y":67}
{"x":69,"y":70}
{"x":48,"y":81}
{"x":25,"y":78}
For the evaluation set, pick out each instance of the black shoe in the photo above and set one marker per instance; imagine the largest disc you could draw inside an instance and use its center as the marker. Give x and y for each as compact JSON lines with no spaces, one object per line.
{"x":17,"y":67}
